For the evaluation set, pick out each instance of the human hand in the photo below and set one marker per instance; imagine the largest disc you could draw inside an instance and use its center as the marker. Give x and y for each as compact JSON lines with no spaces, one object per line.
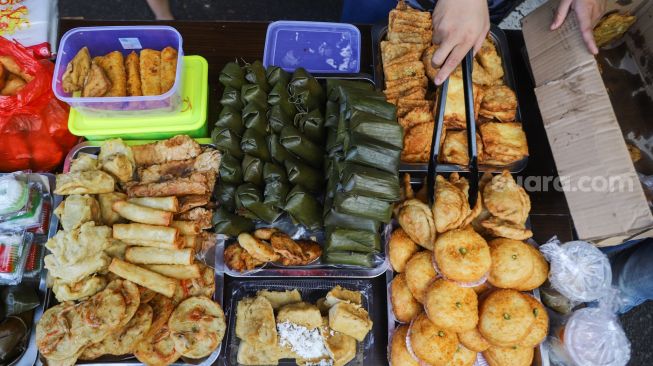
{"x":588,"y":12}
{"x":458,"y":25}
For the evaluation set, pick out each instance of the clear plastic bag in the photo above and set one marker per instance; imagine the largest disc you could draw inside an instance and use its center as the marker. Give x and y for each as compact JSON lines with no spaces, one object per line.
{"x":14,"y":247}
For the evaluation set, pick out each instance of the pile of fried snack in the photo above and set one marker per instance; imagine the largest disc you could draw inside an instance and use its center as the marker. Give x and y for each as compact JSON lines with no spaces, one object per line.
{"x":151,"y":72}
{"x":274,"y":325}
{"x":406,"y":57}
{"x":123,"y":268}
{"x":12,"y":77}
{"x":443,"y":255}
{"x":269,"y":245}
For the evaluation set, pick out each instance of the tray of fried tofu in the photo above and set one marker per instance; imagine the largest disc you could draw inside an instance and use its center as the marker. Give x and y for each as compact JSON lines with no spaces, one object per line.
{"x":403,"y":70}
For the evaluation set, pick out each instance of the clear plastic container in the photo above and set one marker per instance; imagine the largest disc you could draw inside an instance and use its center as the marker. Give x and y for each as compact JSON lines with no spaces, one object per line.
{"x":318,"y":47}
{"x":102,"y":40}
{"x":14,"y":248}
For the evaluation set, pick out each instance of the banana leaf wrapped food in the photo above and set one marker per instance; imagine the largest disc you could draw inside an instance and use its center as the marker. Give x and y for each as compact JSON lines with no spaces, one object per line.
{"x":275,"y":193}
{"x":272,"y":172}
{"x":249,"y":203}
{"x":254,"y":143}
{"x":362,"y":241}
{"x":232,"y":75}
{"x":299,"y":145}
{"x":372,"y":153}
{"x":349,"y":258}
{"x":252,"y":170}
{"x":230,"y":170}
{"x":368,"y":104}
{"x":254,"y":93}
{"x":255,"y":74}
{"x":279,"y":96}
{"x":277,"y":151}
{"x":362,"y":180}
{"x":331,"y":115}
{"x":305,"y":175}
{"x":230,"y":118}
{"x":278,"y":119}
{"x":229,"y":224}
{"x":227,"y":141}
{"x":363,"y":206}
{"x":311,"y":124}
{"x":332,"y":140}
{"x":231,"y":98}
{"x":334,"y":218}
{"x":335,"y":87}
{"x":376,"y":128}
{"x":276,"y":75}
{"x":306,"y":91}
{"x":255,"y":117}
{"x":225,"y":195}
{"x":304,"y":208}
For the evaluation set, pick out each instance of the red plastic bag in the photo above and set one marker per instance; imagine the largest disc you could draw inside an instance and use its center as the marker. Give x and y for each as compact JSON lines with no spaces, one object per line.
{"x":33,"y":123}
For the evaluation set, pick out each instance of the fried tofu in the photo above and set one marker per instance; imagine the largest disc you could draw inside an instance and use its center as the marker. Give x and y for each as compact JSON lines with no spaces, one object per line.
{"x":417,"y":143}
{"x":392,"y":51}
{"x":404,"y":106}
{"x":150,"y":68}
{"x":503,"y":143}
{"x":420,"y":40}
{"x":168,"y":68}
{"x":403,"y":70}
{"x":339,"y":294}
{"x":113,"y":65}
{"x":488,"y":57}
{"x":454,"y":113}
{"x":278,"y":299}
{"x":350,"y":319}
{"x":76,"y":71}
{"x":97,"y":83}
{"x":300,"y":313}
{"x":454,"y":148}
{"x":499,"y":102}
{"x":416,"y":116}
{"x":132,"y":68}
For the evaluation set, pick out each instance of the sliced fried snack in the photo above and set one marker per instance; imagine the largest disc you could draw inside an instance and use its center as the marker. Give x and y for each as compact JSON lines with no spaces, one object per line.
{"x":238,"y":259}
{"x":404,"y":106}
{"x":400,"y":248}
{"x":391,"y":51}
{"x":97,"y":82}
{"x":450,"y":207}
{"x":150,"y":69}
{"x":454,"y":148}
{"x":512,"y":263}
{"x":473,"y":340}
{"x":257,"y":248}
{"x":132,"y":68}
{"x":113,"y":65}
{"x":505,"y":318}
{"x":197,"y":327}
{"x":168,"y":68}
{"x":399,"y":354}
{"x":157,"y":347}
{"x":417,"y":143}
{"x":462,"y":255}
{"x":404,"y":306}
{"x":255,"y":322}
{"x":404,"y":70}
{"x":503,"y":229}
{"x":540,"y":328}
{"x":450,"y":306}
{"x":76,"y":71}
{"x":430,"y":343}
{"x":416,"y":116}
{"x":419,"y":274}
{"x":416,"y":219}
{"x":499,"y":102}
{"x":454,"y":112}
{"x":488,"y":57}
{"x":503,"y":143}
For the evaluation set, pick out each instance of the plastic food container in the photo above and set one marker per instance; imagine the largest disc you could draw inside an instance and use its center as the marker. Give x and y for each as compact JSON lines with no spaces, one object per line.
{"x":102,"y":40}
{"x":190,"y":120}
{"x":316,"y":46}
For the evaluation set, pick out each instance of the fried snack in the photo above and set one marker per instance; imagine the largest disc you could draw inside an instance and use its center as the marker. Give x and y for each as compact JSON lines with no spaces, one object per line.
{"x":180,"y":147}
{"x":427,"y":56}
{"x":157,"y":348}
{"x":540,"y":328}
{"x":490,"y":60}
{"x":404,"y":306}
{"x":150,"y":70}
{"x":392,"y":51}
{"x":462,"y":255}
{"x":473,"y":340}
{"x":257,"y":248}
{"x":503,"y":143}
{"x":97,"y":82}
{"x":450,"y":306}
{"x":499,"y":102}
{"x":116,"y":249}
{"x":78,"y":290}
{"x":10,"y":64}
{"x":177,"y":271}
{"x":505,"y":318}
{"x":131,"y":296}
{"x":53,"y":336}
{"x":238,"y":259}
{"x":208,"y":161}
{"x":132,"y":69}
{"x":416,"y":116}
{"x":399,"y":354}
{"x":404,"y":106}
{"x":400,"y":249}
{"x":454,"y":148}
{"x":187,"y":203}
{"x":509,"y":356}
{"x":186,"y":227}
{"x":79,"y":244}
{"x":265,"y":233}
{"x":117,"y":159}
{"x":506,"y":200}
{"x":540,"y":271}
{"x":512,"y":263}
{"x":113,"y":65}
{"x":106,"y":200}
{"x":350,"y":319}
{"x":403,"y":70}
{"x":612,"y":27}
{"x":77,"y":210}
{"x":3,"y":76}
{"x":430,"y":343}
{"x":13,"y":85}
{"x":170,"y":204}
{"x":90,"y":182}
{"x":503,"y":229}
{"x":419,"y":274}
{"x":197,"y":326}
{"x":450,"y":207}
{"x":417,"y":143}
{"x":341,"y":347}
{"x":300,"y":313}
{"x":408,"y":34}
{"x":482,"y":288}
{"x":463,"y":357}
{"x":340,"y":294}
{"x":70,"y":273}
{"x":280,"y":298}
{"x":289,"y":251}
{"x":153,"y":255}
{"x":141,"y":214}
{"x":634,"y":152}
{"x":201,"y":286}
{"x":144,"y":232}
{"x":454,"y":112}
{"x":76,"y":71}
{"x":143,"y":277}
{"x":168,"y":68}
{"x":255,"y":322}
{"x":84,"y":162}
{"x":196,"y":183}
{"x":416,"y":219}
{"x":257,"y":355}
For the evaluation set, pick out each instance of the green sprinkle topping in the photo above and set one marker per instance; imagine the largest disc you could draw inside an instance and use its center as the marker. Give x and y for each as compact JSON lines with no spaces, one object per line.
{"x":462,"y":251}
{"x":459,"y":305}
{"x":441,"y":333}
{"x":535,"y":312}
{"x":514,"y":256}
{"x":506,"y":316}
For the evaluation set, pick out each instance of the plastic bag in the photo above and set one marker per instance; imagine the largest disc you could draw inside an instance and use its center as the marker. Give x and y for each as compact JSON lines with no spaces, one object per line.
{"x":33,"y":23}
{"x":33,"y":123}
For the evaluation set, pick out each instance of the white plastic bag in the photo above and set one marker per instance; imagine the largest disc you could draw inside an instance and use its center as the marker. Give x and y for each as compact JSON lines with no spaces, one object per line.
{"x":33,"y":23}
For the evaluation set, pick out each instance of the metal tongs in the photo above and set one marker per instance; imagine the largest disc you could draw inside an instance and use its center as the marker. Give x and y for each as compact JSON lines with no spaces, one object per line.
{"x":471,"y":132}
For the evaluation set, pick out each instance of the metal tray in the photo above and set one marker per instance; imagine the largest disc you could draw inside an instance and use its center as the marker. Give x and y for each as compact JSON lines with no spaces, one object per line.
{"x":50,"y":300}
{"x":379,"y":32}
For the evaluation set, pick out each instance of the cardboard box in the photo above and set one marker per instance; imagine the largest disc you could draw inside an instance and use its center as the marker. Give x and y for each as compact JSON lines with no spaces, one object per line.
{"x":582,"y":128}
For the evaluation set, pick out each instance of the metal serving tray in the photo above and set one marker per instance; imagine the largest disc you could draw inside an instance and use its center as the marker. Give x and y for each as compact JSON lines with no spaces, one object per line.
{"x":50,"y":300}
{"x":379,"y":33}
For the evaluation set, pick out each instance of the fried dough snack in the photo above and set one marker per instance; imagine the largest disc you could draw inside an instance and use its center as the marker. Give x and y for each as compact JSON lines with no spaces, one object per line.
{"x":454,"y":112}
{"x":512,"y":263}
{"x":416,"y":219}
{"x":180,"y":147}
{"x":488,"y":57}
{"x":150,"y":70}
{"x":113,"y":65}
{"x":97,"y":82}
{"x":503,"y":143}
{"x":454,"y":148}
{"x":399,"y":354}
{"x":499,"y":102}
{"x":132,"y":69}
{"x":450,"y":306}
{"x":197,"y":326}
{"x":404,"y":305}
{"x":506,"y":200}
{"x":168,"y":68}
{"x":430,"y":343}
{"x":417,"y":143}
{"x":505,"y":318}
{"x":76,"y":71}
{"x":419,"y":274}
{"x":400,"y":249}
{"x":612,"y":27}
{"x":473,"y":340}
{"x":462,"y":255}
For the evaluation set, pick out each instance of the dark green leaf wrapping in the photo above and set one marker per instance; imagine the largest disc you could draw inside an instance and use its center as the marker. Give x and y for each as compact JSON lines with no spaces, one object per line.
{"x":373,"y":153}
{"x":246,"y":195}
{"x":299,"y":145}
{"x":378,"y":107}
{"x":342,"y":131}
{"x":336,"y":87}
{"x":255,"y":74}
{"x":230,"y":170}
{"x":279,"y":96}
{"x":304,"y":208}
{"x":253,"y":93}
{"x":278,"y":119}
{"x":232,"y":75}
{"x":230,"y":118}
{"x":332,"y":113}
{"x":255,"y":117}
{"x":311,"y":124}
{"x":376,"y":128}
{"x":340,"y":240}
{"x":225,"y":195}
{"x":363,"y":206}
{"x":337,"y":219}
{"x":254,"y":143}
{"x":361,"y":180}
{"x":252,"y":170}
{"x":275,"y":193}
{"x":227,"y":141}
{"x":277,"y":151}
{"x":231,"y":98}
{"x":229,"y":224}
{"x":272,"y":172}
{"x":276,"y":75}
{"x":349,"y":258}
{"x":332,"y":140}
{"x":302,"y":174}
{"x":306,"y":90}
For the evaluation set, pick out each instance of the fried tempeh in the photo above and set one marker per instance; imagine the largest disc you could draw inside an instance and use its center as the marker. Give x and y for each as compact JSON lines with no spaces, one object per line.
{"x":113,"y":65}
{"x":168,"y":68}
{"x":144,"y":277}
{"x":132,"y":67}
{"x":150,"y":69}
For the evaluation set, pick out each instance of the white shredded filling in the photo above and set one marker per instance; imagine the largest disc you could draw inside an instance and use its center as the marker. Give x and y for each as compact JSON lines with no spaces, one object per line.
{"x":305,"y":343}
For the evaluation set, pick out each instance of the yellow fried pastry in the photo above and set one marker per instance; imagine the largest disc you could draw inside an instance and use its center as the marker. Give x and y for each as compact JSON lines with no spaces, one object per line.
{"x":463,"y":357}
{"x":132,"y":68}
{"x":454,"y":112}
{"x":505,"y":199}
{"x":540,"y":328}
{"x":113,"y":65}
{"x":450,"y":306}
{"x":488,"y":57}
{"x":76,"y":71}
{"x":197,"y":326}
{"x":509,"y":356}
{"x":399,"y":355}
{"x":257,"y":248}
{"x":400,"y":249}
{"x":462,"y":255}
{"x":255,"y":322}
{"x":454,"y":148}
{"x":505,"y":318}
{"x":499,"y":102}
{"x":404,"y":306}
{"x":512,"y":263}
{"x":97,"y":82}
{"x":612,"y":27}
{"x":168,"y":68}
{"x":419,"y":274}
{"x":300,"y":313}
{"x":416,"y":219}
{"x":496,"y":227}
{"x":540,"y":271}
{"x":450,"y":207}
{"x":150,"y":70}
{"x":430,"y":343}
{"x":503,"y":143}
{"x":417,"y":143}
{"x":473,"y":340}
{"x":403,"y":70}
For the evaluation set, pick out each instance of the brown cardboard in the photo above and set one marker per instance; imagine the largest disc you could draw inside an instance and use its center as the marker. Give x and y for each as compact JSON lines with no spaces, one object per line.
{"x":583,"y":131}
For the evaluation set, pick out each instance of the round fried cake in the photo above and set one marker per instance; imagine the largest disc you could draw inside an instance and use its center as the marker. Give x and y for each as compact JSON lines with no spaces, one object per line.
{"x":512,"y":263}
{"x":202,"y":286}
{"x":400,"y":249}
{"x":419,"y":274}
{"x":399,"y":355}
{"x":197,"y":327}
{"x":53,"y":336}
{"x":450,"y":306}
{"x":157,"y":349}
{"x":462,"y":255}
{"x":404,"y":306}
{"x":101,"y":314}
{"x":540,"y":271}
{"x":463,"y":357}
{"x":509,"y":356}
{"x":505,"y":318}
{"x":132,"y":296}
{"x":473,"y":340}
{"x":540,"y":328}
{"x":431,"y":344}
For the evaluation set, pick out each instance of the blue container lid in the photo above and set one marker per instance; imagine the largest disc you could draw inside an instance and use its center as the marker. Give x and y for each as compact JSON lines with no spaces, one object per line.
{"x":316,"y":46}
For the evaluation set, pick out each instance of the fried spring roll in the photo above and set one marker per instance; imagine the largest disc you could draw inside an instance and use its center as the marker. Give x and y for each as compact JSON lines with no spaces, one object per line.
{"x":142,"y":214}
{"x":176,"y":271}
{"x":144,"y":277}
{"x":150,"y":68}
{"x":170,"y":204}
{"x":168,"y":68}
{"x":186,"y":227}
{"x":143,"y":232}
{"x":132,"y":67}
{"x":147,"y":255}
{"x":189,"y":241}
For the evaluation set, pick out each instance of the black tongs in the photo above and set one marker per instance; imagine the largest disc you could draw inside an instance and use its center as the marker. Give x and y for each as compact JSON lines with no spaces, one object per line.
{"x":471,"y":132}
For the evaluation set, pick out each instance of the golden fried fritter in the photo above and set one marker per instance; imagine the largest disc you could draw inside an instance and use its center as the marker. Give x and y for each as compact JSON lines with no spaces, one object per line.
{"x":399,"y":355}
{"x":97,"y":82}
{"x":400,"y":248}
{"x":416,"y":116}
{"x":612,"y":27}
{"x":238,"y":259}
{"x":505,"y":318}
{"x":416,"y":219}
{"x":168,"y":68}
{"x":427,"y":56}
{"x":512,"y":263}
{"x":454,"y":112}
{"x":499,"y":102}
{"x":540,"y":271}
{"x":490,"y":60}
{"x":419,"y":274}
{"x":132,"y":68}
{"x":150,"y":70}
{"x":450,"y":306}
{"x":505,"y":199}
{"x":540,"y":328}
{"x":462,"y":255}
{"x":463,"y":357}
{"x":509,"y":356}
{"x":450,"y":207}
{"x":391,"y":51}
{"x":454,"y":148}
{"x":113,"y":65}
{"x":257,"y":248}
{"x":417,"y":143}
{"x":76,"y":71}
{"x":430,"y":343}
{"x":496,"y":227}
{"x":404,"y":305}
{"x":404,"y":70}
{"x":503,"y":143}
{"x":473,"y":340}
{"x":404,"y":106}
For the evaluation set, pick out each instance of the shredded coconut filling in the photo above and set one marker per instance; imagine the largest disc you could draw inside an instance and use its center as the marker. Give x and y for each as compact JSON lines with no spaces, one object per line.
{"x":308,"y":344}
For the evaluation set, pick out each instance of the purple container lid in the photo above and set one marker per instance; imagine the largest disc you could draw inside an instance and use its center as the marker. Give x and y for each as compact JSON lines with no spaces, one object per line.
{"x":318,"y":47}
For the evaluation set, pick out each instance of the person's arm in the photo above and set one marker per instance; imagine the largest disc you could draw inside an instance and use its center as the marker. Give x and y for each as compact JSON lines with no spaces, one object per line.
{"x":588,"y":12}
{"x":458,"y":26}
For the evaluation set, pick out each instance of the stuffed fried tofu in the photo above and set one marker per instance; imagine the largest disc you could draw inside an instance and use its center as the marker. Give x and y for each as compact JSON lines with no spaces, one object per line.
{"x":150,"y":69}
{"x":168,"y":68}
{"x":114,"y":66}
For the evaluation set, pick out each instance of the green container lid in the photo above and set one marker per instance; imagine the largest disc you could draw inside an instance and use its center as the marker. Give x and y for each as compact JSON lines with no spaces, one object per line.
{"x":191,"y":120}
